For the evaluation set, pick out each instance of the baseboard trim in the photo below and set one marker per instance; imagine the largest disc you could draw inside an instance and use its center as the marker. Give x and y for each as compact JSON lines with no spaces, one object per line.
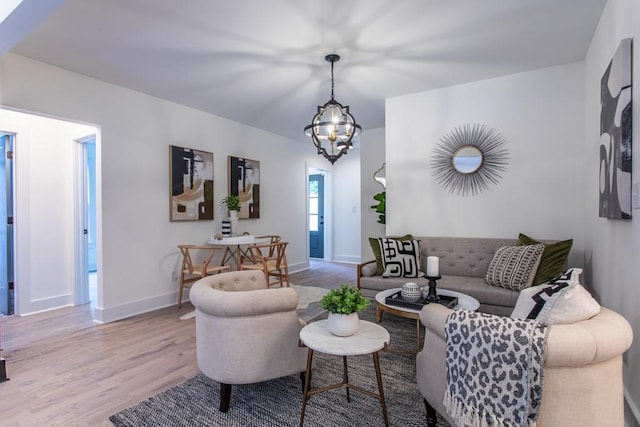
{"x":301,"y":266}
{"x":122,"y":311}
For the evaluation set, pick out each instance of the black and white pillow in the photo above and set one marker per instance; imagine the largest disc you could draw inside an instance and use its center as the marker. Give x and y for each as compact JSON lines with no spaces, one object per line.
{"x":400,"y":258}
{"x":514,"y":267}
{"x":561,"y":300}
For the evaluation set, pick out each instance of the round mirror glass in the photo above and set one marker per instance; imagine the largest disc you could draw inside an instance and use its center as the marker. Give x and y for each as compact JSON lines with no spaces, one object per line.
{"x":467,"y":159}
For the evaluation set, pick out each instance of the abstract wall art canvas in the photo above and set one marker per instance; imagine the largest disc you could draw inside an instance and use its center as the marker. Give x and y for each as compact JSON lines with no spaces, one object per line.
{"x":244,"y":182}
{"x":191,"y":174}
{"x":615,"y":136}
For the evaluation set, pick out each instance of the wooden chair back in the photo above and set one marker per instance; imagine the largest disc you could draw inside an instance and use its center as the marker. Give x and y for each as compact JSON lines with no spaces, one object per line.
{"x":272,"y":259}
{"x":196,"y":264}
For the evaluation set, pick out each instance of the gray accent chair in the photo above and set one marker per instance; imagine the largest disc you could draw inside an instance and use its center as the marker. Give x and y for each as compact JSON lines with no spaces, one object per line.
{"x":245,"y":332}
{"x":582,"y":373}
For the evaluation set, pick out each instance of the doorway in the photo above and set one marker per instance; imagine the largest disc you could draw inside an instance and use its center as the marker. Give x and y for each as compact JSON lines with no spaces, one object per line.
{"x":87,"y":266}
{"x":7,"y":302}
{"x":316,"y":216}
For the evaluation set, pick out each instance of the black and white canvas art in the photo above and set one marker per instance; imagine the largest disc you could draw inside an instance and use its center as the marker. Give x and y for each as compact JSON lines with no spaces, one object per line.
{"x":244,"y":182}
{"x":615,"y":135}
{"x":191,"y":193}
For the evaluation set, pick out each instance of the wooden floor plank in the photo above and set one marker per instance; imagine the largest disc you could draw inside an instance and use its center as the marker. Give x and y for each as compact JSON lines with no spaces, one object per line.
{"x":65,"y":370}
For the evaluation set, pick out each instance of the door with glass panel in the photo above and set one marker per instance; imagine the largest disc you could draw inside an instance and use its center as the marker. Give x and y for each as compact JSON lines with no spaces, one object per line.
{"x":316,"y":216}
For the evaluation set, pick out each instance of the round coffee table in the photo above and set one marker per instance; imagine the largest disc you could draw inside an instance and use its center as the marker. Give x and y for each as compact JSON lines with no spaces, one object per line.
{"x":465,"y":302}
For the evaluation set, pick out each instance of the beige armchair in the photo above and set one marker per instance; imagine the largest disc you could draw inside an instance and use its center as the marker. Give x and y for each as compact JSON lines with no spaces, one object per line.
{"x":582,"y":373}
{"x":245,"y":332}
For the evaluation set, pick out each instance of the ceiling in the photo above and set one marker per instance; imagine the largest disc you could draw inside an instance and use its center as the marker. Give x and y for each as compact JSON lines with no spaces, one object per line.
{"x":261,"y":63}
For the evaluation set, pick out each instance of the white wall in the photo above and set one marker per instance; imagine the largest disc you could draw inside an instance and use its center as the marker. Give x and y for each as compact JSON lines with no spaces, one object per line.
{"x":540,"y":114}
{"x":612,"y":247}
{"x":371,"y":158}
{"x":346,"y":207}
{"x":138,"y":242}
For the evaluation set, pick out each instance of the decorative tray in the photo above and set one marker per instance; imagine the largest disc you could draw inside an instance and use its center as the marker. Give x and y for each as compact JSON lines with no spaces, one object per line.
{"x":397,"y":300}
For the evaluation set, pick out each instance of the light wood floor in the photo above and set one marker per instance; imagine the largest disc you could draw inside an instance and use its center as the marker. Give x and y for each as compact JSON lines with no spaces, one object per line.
{"x":65,"y":370}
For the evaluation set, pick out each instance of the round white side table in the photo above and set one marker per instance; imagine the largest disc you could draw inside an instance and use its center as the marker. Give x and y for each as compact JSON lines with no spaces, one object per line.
{"x":370,"y":339}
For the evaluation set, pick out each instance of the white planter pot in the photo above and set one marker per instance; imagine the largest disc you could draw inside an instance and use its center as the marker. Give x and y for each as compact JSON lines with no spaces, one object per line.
{"x":343,"y":325}
{"x":233,"y":218}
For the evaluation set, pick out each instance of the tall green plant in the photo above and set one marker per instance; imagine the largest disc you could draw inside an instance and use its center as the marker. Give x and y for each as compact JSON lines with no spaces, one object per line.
{"x":381,"y":206}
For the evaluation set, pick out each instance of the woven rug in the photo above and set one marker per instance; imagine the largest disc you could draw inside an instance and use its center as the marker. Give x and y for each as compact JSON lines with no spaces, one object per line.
{"x":306,"y":296}
{"x":279,"y":402}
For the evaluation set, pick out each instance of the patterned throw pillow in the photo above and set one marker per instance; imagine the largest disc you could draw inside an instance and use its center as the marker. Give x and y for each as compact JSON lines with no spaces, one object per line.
{"x":560,"y":301}
{"x":400,"y":258}
{"x":375,"y":248}
{"x":514,"y":267}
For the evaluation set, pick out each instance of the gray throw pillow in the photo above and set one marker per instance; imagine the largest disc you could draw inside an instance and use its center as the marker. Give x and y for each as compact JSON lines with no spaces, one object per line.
{"x":514,"y":267}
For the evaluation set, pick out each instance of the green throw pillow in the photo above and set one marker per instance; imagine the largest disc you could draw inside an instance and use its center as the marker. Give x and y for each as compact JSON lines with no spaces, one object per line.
{"x":377,"y":253}
{"x":554,"y":258}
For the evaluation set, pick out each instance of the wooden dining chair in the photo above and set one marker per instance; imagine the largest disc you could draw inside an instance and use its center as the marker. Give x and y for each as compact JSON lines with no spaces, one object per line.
{"x":196,"y":262}
{"x":273,"y":238}
{"x":275,"y":267}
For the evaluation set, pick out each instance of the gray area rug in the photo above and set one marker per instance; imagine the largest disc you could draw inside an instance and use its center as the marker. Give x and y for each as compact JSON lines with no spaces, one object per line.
{"x":279,"y":402}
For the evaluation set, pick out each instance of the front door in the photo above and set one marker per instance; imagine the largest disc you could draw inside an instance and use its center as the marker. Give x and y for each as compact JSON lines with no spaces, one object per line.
{"x":316,"y":216}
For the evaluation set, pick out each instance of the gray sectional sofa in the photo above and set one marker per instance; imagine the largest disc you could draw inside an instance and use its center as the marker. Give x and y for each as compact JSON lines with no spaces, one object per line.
{"x":463,"y":264}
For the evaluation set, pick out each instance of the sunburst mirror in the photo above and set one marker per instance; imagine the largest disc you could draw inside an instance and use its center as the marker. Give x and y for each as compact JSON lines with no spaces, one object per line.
{"x":468,"y":158}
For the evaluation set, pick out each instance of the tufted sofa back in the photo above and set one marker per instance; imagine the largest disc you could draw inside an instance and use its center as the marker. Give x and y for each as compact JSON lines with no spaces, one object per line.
{"x":462,"y":256}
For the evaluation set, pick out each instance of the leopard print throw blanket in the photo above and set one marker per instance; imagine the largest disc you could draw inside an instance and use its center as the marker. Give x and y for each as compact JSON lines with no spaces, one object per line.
{"x":494,"y":369}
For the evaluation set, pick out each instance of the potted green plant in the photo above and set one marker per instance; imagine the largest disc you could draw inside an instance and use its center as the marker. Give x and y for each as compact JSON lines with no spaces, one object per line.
{"x":233,"y":202}
{"x":343,"y":305}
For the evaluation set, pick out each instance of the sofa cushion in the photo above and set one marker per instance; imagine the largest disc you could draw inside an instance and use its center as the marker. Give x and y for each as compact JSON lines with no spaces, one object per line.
{"x":480,"y":290}
{"x":514,"y":267}
{"x":562,"y":300}
{"x":375,"y":248}
{"x":400,"y":258}
{"x":554,"y":258}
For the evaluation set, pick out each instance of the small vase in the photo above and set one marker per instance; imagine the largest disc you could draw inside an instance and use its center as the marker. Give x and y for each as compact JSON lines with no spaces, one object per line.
{"x":233,"y":218}
{"x":343,"y":325}
{"x":411,"y":292}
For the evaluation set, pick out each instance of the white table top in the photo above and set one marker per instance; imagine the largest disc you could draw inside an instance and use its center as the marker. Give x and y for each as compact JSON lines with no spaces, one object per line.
{"x":369,"y":339}
{"x":237,"y":240}
{"x":465,"y":302}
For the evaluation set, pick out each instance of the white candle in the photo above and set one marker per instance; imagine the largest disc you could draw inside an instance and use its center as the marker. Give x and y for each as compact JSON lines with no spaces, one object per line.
{"x":433,"y":266}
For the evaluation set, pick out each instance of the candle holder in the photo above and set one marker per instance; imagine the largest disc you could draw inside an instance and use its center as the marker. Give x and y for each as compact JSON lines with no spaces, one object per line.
{"x":432,"y":295}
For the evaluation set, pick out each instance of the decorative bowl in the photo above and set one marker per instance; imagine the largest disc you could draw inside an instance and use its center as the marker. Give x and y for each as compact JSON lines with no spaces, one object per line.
{"x":411,"y":292}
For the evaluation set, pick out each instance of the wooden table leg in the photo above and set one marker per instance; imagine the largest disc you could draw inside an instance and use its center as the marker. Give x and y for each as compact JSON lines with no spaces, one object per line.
{"x":376,"y":363}
{"x":307,"y":381}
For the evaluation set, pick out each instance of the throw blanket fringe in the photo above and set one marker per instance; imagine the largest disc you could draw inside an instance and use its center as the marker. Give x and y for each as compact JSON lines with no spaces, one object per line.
{"x":494,"y":369}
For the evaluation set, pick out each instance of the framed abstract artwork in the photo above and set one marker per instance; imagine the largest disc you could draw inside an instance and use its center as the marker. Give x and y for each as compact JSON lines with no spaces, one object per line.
{"x":191,"y":182}
{"x":615,"y":136}
{"x":244,"y":182}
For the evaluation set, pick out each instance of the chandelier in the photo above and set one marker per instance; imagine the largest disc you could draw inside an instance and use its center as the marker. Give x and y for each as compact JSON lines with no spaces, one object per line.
{"x":333,"y":127}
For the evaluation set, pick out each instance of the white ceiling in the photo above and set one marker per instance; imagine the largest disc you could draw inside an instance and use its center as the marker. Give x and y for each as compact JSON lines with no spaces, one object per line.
{"x":261,"y":62}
